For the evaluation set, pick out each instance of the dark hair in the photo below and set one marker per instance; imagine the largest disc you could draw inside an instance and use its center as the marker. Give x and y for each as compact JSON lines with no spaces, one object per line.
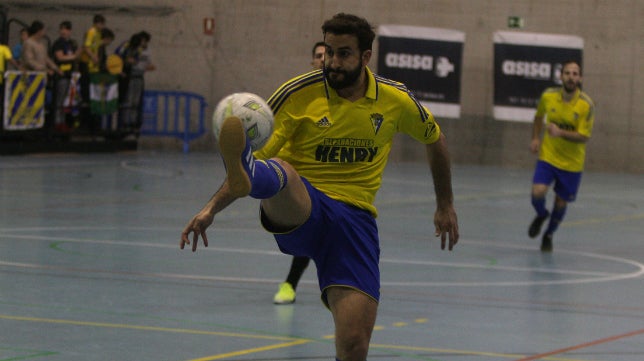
{"x":65,"y":25}
{"x":572,"y":61}
{"x":35,"y":27}
{"x":107,"y":34}
{"x":135,"y":41}
{"x":145,"y":36}
{"x":319,"y":43}
{"x":98,"y":18}
{"x":347,"y":24}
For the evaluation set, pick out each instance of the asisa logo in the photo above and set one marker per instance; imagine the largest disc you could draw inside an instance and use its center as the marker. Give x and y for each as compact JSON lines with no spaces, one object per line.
{"x":527,"y":69}
{"x":441,"y":66}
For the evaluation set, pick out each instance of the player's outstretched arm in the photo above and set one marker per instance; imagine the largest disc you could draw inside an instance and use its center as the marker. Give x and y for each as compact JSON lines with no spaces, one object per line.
{"x":445,"y":219}
{"x":202,"y":220}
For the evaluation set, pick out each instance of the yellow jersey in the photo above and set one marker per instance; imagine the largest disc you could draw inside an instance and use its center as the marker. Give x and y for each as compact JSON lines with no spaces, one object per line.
{"x":5,"y":56}
{"x":576,"y":115}
{"x":92,"y":41}
{"x":341,"y":147}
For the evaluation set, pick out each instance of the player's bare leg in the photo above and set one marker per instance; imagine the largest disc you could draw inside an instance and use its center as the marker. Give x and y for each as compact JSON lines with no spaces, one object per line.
{"x":290,"y":207}
{"x":354,"y":314}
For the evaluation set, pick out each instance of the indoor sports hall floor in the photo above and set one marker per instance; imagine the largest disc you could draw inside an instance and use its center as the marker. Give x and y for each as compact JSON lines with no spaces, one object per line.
{"x":90,"y":269}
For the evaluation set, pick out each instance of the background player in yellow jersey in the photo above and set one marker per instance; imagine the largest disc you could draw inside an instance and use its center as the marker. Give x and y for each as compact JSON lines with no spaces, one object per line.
{"x":286,"y":292}
{"x":333,"y":131}
{"x":569,"y":117}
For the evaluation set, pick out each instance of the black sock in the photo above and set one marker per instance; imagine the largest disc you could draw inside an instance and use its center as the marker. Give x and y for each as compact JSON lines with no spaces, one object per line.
{"x":298,"y":266}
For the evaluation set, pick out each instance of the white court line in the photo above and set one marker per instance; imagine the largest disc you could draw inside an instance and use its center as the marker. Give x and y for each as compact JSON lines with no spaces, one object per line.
{"x":57,"y":164}
{"x":142,"y":274}
{"x":593,"y":277}
{"x":275,"y":253}
{"x":138,"y":244}
{"x":135,"y":166}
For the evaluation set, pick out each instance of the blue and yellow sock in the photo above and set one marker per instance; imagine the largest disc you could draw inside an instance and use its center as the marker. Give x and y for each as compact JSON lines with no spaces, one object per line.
{"x":539,"y":205}
{"x":267,"y":177}
{"x":556,"y":217}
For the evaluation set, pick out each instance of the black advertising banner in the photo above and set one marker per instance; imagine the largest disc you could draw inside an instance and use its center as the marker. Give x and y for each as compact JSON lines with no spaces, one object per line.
{"x":428,"y":61}
{"x":525,"y":64}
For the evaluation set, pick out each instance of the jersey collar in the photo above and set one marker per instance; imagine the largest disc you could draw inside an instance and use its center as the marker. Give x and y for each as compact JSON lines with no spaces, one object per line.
{"x":372,"y":88}
{"x":574,"y":98}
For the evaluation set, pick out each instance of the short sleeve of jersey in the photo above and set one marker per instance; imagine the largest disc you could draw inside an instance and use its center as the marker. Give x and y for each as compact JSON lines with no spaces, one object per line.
{"x":541,"y":107}
{"x":588,"y":119}
{"x":420,"y":124}
{"x":411,"y":116}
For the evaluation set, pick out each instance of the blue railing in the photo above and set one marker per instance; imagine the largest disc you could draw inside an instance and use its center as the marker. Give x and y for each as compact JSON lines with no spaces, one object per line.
{"x":175,"y":114}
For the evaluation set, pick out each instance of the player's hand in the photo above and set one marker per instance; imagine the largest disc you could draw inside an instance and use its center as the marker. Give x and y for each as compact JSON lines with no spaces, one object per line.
{"x":197,"y":226}
{"x":534,"y":146}
{"x":446,"y":224}
{"x":553,"y":130}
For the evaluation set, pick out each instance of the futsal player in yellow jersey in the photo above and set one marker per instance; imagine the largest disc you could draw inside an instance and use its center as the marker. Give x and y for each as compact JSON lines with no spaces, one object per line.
{"x":333,"y":132}
{"x":569,"y":117}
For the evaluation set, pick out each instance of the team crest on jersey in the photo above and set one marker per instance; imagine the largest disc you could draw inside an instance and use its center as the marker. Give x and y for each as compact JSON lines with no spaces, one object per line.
{"x":323,"y":123}
{"x":376,"y":121}
{"x":575,"y":116}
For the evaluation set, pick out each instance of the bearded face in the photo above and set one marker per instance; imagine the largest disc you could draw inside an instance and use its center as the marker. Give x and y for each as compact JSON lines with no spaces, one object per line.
{"x":340,"y":79}
{"x":571,"y":77}
{"x":344,"y":62}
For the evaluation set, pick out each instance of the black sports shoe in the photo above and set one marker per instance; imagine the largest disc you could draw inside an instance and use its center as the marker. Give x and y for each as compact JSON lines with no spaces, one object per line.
{"x":546,"y":243}
{"x":535,"y":226}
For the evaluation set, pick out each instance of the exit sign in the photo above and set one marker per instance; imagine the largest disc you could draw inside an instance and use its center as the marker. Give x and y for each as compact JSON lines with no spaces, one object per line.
{"x":515,"y":22}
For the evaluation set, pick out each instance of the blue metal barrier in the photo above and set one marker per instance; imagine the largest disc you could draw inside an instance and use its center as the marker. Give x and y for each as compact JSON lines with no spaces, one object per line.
{"x":172,"y":113}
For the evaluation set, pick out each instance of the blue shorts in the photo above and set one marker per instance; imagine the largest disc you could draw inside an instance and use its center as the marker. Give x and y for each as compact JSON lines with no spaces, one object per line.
{"x":566,"y":183}
{"x":341,"y":239}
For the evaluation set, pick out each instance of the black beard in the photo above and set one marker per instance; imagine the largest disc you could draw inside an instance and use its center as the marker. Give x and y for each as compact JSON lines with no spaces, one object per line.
{"x":349,"y":79}
{"x":572,"y":89}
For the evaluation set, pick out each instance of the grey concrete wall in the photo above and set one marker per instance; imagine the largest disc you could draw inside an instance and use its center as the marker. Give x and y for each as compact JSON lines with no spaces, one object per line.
{"x":258,"y":44}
